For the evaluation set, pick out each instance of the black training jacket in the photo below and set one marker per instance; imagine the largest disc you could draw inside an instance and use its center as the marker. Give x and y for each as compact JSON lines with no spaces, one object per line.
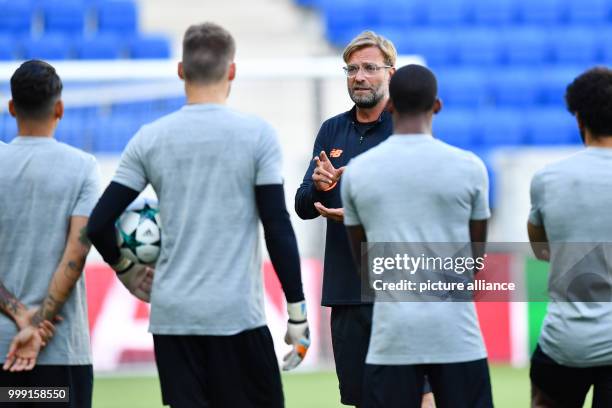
{"x":342,"y":138}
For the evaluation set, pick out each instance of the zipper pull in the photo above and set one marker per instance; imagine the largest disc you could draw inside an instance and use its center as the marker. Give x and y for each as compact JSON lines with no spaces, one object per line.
{"x":361,"y":139}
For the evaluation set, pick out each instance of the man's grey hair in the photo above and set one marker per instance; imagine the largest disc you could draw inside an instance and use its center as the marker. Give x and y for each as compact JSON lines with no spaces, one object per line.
{"x":208,"y":50}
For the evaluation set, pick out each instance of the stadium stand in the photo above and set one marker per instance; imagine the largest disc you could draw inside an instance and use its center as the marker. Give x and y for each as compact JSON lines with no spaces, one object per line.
{"x":502,"y":65}
{"x":75,"y":29}
{"x":509,"y":58}
{"x":89,"y":30}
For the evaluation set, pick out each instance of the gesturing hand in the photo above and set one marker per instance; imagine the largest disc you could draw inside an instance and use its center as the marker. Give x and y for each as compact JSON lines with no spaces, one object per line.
{"x":325,"y":175}
{"x":335,"y":214}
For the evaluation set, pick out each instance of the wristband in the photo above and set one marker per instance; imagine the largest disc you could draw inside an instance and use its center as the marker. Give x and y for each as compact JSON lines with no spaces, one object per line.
{"x":122,"y":265}
{"x":330,"y":187}
{"x":297,"y":312}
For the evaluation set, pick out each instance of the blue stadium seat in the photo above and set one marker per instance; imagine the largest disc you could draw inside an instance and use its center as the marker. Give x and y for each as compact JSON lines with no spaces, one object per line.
{"x":526,"y":46}
{"x":575,"y":45}
{"x":606,"y":46}
{"x":542,"y":12}
{"x":552,"y":83}
{"x":149,"y":46}
{"x":100,"y":47}
{"x":501,"y":127}
{"x":48,"y":47}
{"x":495,"y":12}
{"x":8,"y":127}
{"x":514,"y":87}
{"x":455,"y":127}
{"x":7,"y":48}
{"x":433,"y":44}
{"x":589,"y":12}
{"x":112,"y":133}
{"x":307,"y":3}
{"x":119,"y":16}
{"x":344,"y":19}
{"x":63,"y":16}
{"x":551,"y":127}
{"x":72,"y":130}
{"x":394,"y":14}
{"x":15,"y":17}
{"x":462,"y":88}
{"x":446,"y":13}
{"x":478,"y":47}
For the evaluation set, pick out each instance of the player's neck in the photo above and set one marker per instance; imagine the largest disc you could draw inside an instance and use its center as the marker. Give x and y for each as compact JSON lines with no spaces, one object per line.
{"x":604,"y":141}
{"x":367,"y":115}
{"x":411,"y":125}
{"x":204,"y":94}
{"x":36,"y":129}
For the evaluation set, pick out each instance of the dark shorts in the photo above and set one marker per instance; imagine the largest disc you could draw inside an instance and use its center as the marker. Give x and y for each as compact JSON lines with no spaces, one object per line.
{"x":219,"y":371}
{"x":454,"y":385}
{"x":78,"y":379}
{"x":568,"y":386}
{"x":351,"y":326}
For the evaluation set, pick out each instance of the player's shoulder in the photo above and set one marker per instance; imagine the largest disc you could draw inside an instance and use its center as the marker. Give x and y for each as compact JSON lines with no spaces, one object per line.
{"x":458,"y":155}
{"x":562,"y":167}
{"x":75,"y":153}
{"x":221,"y":115}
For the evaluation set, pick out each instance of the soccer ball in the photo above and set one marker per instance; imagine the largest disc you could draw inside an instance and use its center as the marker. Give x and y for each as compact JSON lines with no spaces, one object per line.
{"x":139,"y":231}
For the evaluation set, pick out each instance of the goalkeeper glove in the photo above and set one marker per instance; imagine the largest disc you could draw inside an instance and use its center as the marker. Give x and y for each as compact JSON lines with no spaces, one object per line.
{"x":137,"y":278}
{"x":298,"y":335}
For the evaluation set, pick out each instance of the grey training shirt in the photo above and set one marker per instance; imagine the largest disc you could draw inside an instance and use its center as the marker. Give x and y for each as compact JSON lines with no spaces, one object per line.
{"x":42,"y":184}
{"x":204,"y":162}
{"x":414,"y":188}
{"x":571,"y":200}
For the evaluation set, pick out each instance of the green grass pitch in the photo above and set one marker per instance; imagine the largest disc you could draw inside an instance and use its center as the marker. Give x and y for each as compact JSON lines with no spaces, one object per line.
{"x":302,"y":390}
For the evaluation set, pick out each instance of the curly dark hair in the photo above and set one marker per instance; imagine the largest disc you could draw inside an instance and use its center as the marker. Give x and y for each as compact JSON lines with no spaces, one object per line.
{"x":589,"y":97}
{"x":35,"y":87}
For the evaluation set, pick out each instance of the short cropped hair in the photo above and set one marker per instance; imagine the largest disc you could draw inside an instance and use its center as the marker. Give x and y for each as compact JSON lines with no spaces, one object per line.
{"x":413,"y":89}
{"x":371,"y":39}
{"x":208,"y":50}
{"x":589,"y":97}
{"x":35,"y":87}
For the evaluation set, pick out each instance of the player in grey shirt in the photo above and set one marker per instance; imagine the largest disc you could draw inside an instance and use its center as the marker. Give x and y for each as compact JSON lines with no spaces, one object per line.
{"x":414,"y":188}
{"x":47,"y":191}
{"x":570,"y":225}
{"x":217,"y":173}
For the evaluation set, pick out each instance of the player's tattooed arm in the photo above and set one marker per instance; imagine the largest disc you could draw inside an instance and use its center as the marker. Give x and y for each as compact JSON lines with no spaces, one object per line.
{"x":83,"y":237}
{"x":10,"y":305}
{"x":67,"y":274}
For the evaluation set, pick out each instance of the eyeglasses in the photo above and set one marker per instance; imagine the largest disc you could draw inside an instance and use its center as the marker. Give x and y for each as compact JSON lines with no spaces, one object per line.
{"x":369,"y":69}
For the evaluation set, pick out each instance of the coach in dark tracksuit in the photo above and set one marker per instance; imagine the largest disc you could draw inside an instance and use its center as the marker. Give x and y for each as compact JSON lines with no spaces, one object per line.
{"x":370,"y":60}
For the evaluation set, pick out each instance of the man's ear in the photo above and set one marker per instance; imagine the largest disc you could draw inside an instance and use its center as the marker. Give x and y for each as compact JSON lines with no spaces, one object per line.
{"x":181,"y":71}
{"x":437,"y":106}
{"x":391,"y":72}
{"x":232,"y":72}
{"x":58,"y":109}
{"x":11,"y":108}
